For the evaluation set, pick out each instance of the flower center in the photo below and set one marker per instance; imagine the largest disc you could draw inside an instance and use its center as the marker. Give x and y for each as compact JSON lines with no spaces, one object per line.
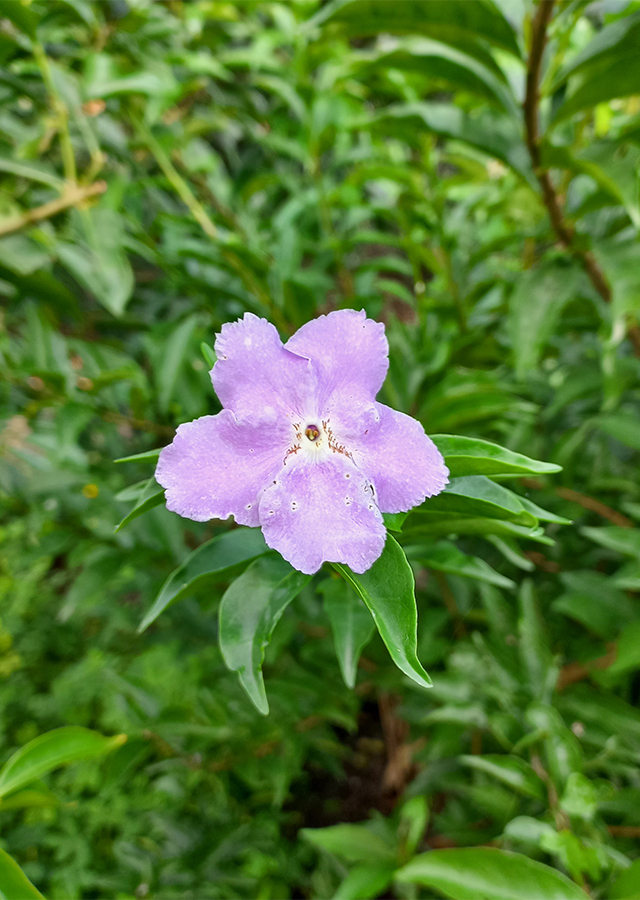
{"x":312,"y":433}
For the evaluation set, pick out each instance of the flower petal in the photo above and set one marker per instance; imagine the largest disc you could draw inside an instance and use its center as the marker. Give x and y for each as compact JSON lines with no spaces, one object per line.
{"x":217,"y":466}
{"x":403,"y":464}
{"x":322,"y":511}
{"x":350,"y":351}
{"x":255,"y":375}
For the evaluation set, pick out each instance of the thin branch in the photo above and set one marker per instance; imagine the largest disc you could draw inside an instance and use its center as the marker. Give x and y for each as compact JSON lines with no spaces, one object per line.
{"x":583,"y":500}
{"x":72,"y":196}
{"x":531,"y":110}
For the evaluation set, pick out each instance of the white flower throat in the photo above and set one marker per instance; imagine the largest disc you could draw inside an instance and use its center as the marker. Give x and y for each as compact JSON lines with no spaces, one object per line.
{"x":315,"y":441}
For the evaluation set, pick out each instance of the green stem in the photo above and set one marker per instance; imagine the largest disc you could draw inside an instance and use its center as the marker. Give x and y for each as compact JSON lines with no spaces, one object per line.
{"x":61,"y":111}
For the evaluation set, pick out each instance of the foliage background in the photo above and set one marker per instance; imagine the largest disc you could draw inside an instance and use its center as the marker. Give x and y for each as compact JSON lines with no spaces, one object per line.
{"x":465,"y":171}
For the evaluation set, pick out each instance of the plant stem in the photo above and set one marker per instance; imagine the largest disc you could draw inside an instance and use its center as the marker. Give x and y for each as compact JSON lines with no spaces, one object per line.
{"x":531,"y":110}
{"x":62,"y":113}
{"x":72,"y":196}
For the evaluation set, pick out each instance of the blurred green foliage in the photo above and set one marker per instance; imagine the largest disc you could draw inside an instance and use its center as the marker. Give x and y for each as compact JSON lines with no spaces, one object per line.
{"x":467,"y":172}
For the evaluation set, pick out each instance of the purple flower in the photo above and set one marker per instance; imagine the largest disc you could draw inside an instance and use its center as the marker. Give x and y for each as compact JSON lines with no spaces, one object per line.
{"x":301,"y":447}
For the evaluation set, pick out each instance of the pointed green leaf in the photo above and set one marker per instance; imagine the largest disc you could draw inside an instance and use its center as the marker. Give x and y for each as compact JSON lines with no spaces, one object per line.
{"x":535,"y":307}
{"x":534,"y":641}
{"x":53,"y":749}
{"x":355,"y":843}
{"x":510,"y":770}
{"x":627,"y":884}
{"x":249,"y":611}
{"x":388,"y":590}
{"x":365,"y":882}
{"x":209,"y":354}
{"x":435,"y":60}
{"x":443,"y":556}
{"x":394,"y":521}
{"x":459,"y":24}
{"x":151,"y":496}
{"x":14,"y":883}
{"x":617,"y":538}
{"x":206,"y":565}
{"x":477,"y":495}
{"x":427,"y":522}
{"x":147,"y":456}
{"x":472,"y":872}
{"x":494,"y":134}
{"x":173,"y":358}
{"x":472,"y":456}
{"x":606,"y":68}
{"x":351,"y":624}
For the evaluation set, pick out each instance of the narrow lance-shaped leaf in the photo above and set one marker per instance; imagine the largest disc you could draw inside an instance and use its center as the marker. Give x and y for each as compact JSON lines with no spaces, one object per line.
{"x":249,"y":611}
{"x":365,"y":882}
{"x":53,"y":749}
{"x":152,"y":495}
{"x":459,"y":24}
{"x":469,"y":873}
{"x":14,"y":883}
{"x":147,"y":456}
{"x":477,"y":495}
{"x":472,"y":456}
{"x":443,"y":556}
{"x":351,"y":624}
{"x":209,"y":563}
{"x":510,"y":770}
{"x":388,"y":590}
{"x":355,"y":843}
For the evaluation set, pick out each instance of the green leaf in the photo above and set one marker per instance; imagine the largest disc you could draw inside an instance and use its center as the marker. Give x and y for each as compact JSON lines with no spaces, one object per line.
{"x":14,"y":884}
{"x":173,"y":357}
{"x":580,"y":797}
{"x":604,"y":69}
{"x":22,"y":17}
{"x":628,"y":652}
{"x":458,"y":24}
{"x":595,"y":601}
{"x":99,"y":263}
{"x":471,"y":873}
{"x":394,"y":521}
{"x":627,"y":885}
{"x":151,"y":496}
{"x":534,"y":642}
{"x":535,"y":307}
{"x":562,"y":750}
{"x":428,"y":522}
{"x":209,"y":563}
{"x":147,"y":456}
{"x":472,"y":456}
{"x":477,"y":495}
{"x":351,"y":624}
{"x":365,"y":882}
{"x":35,"y":171}
{"x":436,"y":61}
{"x":209,"y":354}
{"x":354,"y":843}
{"x":615,"y":537}
{"x":53,"y":749}
{"x":444,"y":556}
{"x":623,"y":427}
{"x":510,"y":770}
{"x":249,"y":611}
{"x":388,"y":590}
{"x":37,"y":796}
{"x":497,"y":135}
